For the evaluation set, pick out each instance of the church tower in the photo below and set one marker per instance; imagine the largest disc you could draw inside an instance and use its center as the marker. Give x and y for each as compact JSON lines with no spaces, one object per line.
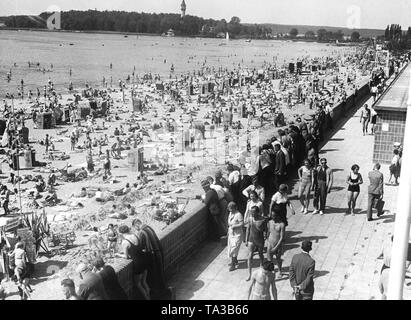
{"x":183,"y":9}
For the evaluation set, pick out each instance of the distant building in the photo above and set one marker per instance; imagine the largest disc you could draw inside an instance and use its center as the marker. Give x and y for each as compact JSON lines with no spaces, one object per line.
{"x":183,"y":9}
{"x":170,"y":33}
{"x":2,"y":24}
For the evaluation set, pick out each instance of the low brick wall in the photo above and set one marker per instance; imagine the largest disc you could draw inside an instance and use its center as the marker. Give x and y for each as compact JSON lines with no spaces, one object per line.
{"x":384,"y":140}
{"x":179,"y":241}
{"x":185,"y":236}
{"x":340,"y":110}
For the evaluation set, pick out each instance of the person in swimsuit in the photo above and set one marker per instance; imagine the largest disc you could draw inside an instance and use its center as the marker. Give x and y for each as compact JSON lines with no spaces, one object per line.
{"x":305,"y":173}
{"x":254,"y":201}
{"x":365,"y":118}
{"x":373,"y":115}
{"x":276,"y":235}
{"x":279,"y":202}
{"x":354,"y":180}
{"x":261,"y":281}
{"x":255,"y":237}
{"x":112,"y":239}
{"x":132,"y":248}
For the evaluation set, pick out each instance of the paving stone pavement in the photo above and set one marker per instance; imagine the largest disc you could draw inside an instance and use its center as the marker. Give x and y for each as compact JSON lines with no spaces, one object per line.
{"x":345,"y":247}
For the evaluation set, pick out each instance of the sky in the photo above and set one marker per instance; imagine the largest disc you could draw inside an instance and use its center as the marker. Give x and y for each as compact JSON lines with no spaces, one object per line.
{"x":374,"y":14}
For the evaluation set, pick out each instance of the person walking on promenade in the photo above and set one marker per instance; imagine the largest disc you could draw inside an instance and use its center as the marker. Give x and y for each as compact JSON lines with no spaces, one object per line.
{"x":365,"y":116}
{"x":354,"y":180}
{"x":255,"y":237}
{"x":279,"y":167}
{"x":323,"y":181}
{"x":302,"y":273}
{"x":254,"y":201}
{"x":279,"y":202}
{"x":375,"y":191}
{"x":235,"y":233}
{"x":212,"y":203}
{"x":261,"y":281}
{"x":373,"y":118}
{"x":394,"y":168}
{"x":306,"y":175}
{"x":275,"y":239}
{"x":255,"y":186}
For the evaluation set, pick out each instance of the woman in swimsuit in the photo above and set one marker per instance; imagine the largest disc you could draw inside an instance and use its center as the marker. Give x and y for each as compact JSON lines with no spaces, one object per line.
{"x":255,"y":237}
{"x":254,"y":201}
{"x":279,"y":202}
{"x":354,"y":180}
{"x":133,"y":249}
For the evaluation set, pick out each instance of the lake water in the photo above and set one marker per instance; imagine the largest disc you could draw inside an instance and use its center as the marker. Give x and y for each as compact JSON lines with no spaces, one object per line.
{"x":90,"y":56}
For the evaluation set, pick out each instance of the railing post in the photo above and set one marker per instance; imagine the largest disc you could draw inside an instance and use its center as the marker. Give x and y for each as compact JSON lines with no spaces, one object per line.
{"x":402,"y":217}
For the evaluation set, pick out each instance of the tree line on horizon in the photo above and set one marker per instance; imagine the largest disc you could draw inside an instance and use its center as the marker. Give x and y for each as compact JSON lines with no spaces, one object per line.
{"x":324,"y":35}
{"x":396,"y":38}
{"x":134,"y":22}
{"x":152,"y":23}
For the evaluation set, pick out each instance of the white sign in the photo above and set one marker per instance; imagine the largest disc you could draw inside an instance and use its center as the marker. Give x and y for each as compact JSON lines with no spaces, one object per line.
{"x":385,"y":127}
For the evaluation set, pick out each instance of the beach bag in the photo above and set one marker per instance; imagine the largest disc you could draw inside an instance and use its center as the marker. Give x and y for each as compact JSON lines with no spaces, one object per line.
{"x":380,"y":205}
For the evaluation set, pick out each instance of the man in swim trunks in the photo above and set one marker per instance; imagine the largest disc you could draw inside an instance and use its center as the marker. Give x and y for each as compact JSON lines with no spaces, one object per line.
{"x":261,"y":281}
{"x":276,"y":235}
{"x":255,"y":237}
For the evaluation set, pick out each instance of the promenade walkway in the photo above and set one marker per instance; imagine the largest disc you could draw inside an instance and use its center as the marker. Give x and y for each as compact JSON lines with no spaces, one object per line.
{"x":345,"y":247}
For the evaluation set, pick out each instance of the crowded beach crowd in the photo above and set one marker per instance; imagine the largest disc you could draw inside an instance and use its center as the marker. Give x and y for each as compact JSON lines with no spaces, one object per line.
{"x":249,"y":202}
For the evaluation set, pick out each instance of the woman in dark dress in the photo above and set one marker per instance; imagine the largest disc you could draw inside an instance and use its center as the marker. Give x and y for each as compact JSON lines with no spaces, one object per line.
{"x":255,"y":237}
{"x":279,"y":202}
{"x":110,"y":280}
{"x":132,"y":248}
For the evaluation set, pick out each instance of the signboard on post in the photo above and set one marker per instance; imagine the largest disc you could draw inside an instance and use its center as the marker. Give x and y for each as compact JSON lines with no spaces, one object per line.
{"x":9,"y":224}
{"x":26,"y":236}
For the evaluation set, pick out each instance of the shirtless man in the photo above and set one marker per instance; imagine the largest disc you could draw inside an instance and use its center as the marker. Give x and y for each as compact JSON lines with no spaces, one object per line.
{"x":276,"y":234}
{"x":261,"y":281}
{"x":255,"y":237}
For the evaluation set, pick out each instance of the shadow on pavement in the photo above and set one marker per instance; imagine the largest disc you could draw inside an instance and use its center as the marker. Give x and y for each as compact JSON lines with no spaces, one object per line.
{"x":328,"y":150}
{"x":301,"y":239}
{"x":332,"y":210}
{"x":387,"y":219}
{"x":320,"y":273}
{"x":195,"y":266}
{"x":46,"y":269}
{"x":337,"y":188}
